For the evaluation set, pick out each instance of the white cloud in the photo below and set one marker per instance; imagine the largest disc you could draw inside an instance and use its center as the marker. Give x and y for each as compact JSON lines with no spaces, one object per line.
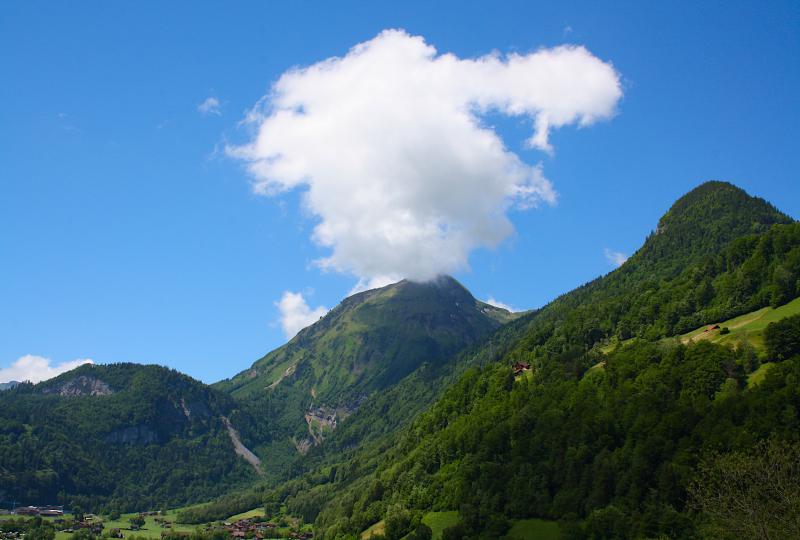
{"x":365,"y":284}
{"x":210,"y":105}
{"x":399,"y":167}
{"x":615,"y":257}
{"x":295,"y":314}
{"x":492,"y":301}
{"x":36,"y":368}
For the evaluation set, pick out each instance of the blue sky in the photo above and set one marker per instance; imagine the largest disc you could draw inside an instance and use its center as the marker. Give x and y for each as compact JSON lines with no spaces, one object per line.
{"x":130,"y":235}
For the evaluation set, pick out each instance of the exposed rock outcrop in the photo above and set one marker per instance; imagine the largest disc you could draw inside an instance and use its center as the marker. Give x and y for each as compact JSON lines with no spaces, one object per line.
{"x":82,"y":385}
{"x":240,"y":448}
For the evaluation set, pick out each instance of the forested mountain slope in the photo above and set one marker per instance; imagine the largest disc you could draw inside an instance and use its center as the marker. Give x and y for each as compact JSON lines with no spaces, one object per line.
{"x":121,"y":435}
{"x":615,"y":447}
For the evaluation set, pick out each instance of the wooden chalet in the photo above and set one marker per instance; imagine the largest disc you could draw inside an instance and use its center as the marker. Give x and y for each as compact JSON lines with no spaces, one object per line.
{"x":520,"y":368}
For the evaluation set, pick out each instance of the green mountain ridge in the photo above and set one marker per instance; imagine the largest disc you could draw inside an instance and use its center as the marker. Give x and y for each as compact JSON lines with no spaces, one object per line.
{"x":122,"y":435}
{"x":367,"y":344}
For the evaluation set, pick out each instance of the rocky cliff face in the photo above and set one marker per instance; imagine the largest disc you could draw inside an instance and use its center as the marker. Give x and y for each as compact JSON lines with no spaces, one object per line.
{"x":82,"y":385}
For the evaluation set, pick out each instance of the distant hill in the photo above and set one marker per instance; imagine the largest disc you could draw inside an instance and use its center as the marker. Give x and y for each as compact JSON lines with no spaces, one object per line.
{"x":367,"y":344}
{"x":120,"y":435}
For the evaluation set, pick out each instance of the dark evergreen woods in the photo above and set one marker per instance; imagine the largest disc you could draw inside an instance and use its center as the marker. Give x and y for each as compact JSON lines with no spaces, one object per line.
{"x":610,"y":451}
{"x":122,"y":436}
{"x":616,"y":430}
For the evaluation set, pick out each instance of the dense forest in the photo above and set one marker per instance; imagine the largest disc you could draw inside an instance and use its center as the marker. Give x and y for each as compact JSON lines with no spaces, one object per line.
{"x":607,"y":438}
{"x":121,"y":436}
{"x":616,"y":449}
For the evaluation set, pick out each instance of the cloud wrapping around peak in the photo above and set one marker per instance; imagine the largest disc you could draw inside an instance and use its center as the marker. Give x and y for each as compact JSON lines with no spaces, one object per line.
{"x":295,"y":313}
{"x":37,"y":368}
{"x":615,"y":257}
{"x":492,"y":301}
{"x":209,"y":106}
{"x":398,"y":165}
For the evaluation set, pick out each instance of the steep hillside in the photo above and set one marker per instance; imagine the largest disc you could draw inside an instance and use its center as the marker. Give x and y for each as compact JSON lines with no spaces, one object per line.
{"x":702,"y":222}
{"x":124,"y":435}
{"x":716,"y":254}
{"x":366,"y":345}
{"x":616,"y":448}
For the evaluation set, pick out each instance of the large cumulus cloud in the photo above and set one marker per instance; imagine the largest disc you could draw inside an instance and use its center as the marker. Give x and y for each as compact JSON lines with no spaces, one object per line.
{"x":396,"y":161}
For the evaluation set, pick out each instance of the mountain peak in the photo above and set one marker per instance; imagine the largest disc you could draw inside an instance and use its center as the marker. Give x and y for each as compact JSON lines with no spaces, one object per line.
{"x":705,"y":219}
{"x":715,"y":200}
{"x":368,"y":343}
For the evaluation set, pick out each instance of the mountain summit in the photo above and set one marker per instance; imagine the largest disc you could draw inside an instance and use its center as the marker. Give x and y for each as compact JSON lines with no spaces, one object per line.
{"x":369,"y":342}
{"x":707,"y":218}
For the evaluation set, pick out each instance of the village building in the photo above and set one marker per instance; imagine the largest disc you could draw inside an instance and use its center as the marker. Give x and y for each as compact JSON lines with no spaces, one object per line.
{"x":520,"y":368}
{"x":27,"y":511}
{"x":51,"y":511}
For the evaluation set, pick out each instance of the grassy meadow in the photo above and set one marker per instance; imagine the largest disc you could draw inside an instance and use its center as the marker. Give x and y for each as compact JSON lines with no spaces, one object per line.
{"x":750,"y":326}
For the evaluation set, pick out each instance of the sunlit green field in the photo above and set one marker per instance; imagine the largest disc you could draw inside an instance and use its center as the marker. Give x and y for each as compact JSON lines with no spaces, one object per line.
{"x":256,"y":512}
{"x":151,"y":529}
{"x":750,"y":326}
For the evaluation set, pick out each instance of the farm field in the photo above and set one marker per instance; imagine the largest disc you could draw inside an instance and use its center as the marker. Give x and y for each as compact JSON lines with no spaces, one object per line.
{"x":750,"y":325}
{"x":151,"y":528}
{"x":256,"y":512}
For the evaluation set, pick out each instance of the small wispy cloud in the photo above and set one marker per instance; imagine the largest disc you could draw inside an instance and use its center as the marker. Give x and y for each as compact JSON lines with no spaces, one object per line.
{"x":296,"y":314}
{"x":492,"y":301}
{"x":615,"y":257}
{"x":37,"y":368}
{"x":209,"y":106}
